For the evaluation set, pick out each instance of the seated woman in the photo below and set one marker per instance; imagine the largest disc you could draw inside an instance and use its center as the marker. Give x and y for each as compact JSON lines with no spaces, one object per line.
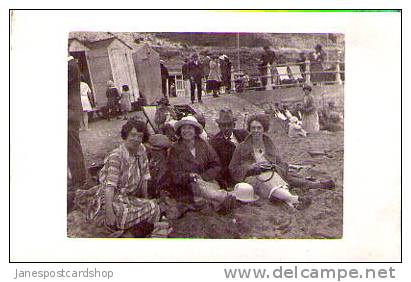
{"x":251,"y":162}
{"x":193,"y":167}
{"x":120,"y":200}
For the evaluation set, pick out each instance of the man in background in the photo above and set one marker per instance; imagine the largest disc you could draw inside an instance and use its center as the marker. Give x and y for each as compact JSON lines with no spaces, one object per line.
{"x":268,"y":57}
{"x":196,"y":74}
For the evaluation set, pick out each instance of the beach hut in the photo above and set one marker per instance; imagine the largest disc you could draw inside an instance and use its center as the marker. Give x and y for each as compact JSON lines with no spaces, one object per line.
{"x":147,"y":68}
{"x":103,"y":60}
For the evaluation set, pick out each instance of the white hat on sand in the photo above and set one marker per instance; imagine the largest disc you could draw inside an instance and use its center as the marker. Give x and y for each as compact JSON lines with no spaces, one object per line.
{"x":244,"y":192}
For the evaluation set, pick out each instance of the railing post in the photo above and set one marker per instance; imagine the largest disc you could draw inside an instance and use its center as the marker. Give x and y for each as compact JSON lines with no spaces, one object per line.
{"x":232,"y":80}
{"x":269,"y":85}
{"x":307,"y":71}
{"x":337,"y":71}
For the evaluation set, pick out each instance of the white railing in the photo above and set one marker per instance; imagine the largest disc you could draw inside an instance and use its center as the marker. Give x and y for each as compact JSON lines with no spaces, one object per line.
{"x":275,"y":79}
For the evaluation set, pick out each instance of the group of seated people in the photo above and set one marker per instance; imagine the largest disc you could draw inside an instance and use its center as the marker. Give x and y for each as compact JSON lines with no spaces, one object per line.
{"x":191,"y":169}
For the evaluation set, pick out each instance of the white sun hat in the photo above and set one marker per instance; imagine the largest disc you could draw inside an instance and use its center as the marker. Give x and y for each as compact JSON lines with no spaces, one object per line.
{"x":244,"y":192}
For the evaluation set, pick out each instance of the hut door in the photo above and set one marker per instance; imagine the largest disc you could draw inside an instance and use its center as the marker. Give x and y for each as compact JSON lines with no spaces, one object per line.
{"x":100,"y":73}
{"x":122,"y":71}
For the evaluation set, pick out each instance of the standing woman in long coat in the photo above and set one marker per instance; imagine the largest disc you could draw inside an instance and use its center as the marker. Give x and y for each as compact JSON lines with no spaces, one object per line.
{"x":214,"y":77}
{"x":310,"y":116}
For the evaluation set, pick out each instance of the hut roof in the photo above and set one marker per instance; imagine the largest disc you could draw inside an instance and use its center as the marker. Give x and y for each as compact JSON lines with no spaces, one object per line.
{"x":103,"y":43}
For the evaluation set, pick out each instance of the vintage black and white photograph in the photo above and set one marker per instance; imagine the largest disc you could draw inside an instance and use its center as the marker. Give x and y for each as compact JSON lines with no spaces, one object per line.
{"x":205,"y":135}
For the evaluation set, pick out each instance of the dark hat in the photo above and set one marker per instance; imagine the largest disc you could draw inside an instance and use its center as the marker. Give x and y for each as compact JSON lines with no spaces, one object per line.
{"x":163,"y":101}
{"x":226,"y":116}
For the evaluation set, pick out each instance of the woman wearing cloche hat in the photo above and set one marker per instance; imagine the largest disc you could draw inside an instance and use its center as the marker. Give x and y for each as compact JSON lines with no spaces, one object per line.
{"x":193,"y":165}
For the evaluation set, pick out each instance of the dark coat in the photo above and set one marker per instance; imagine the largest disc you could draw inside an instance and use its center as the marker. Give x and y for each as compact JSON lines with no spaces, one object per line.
{"x":181,"y":162}
{"x":75,"y":109}
{"x":243,"y":158}
{"x":164,"y":72}
{"x":196,"y":70}
{"x":268,"y":57}
{"x":185,"y":71}
{"x":113,"y":96}
{"x":225,"y":150}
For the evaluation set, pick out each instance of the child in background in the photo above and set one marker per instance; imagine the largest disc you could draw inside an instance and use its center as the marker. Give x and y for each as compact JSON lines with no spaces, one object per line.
{"x":125,"y":101}
{"x":295,"y":129}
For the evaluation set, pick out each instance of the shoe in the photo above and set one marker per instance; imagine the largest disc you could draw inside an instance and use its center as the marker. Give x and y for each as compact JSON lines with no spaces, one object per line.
{"x":192,"y":102}
{"x":124,"y":118}
{"x":303,"y":203}
{"x":200,"y":101}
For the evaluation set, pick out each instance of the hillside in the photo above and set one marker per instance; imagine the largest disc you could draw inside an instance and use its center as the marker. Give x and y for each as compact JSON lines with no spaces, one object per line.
{"x":174,"y":47}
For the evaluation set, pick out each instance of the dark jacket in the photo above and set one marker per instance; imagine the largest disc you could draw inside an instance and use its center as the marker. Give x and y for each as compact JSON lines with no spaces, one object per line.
{"x":75,"y":109}
{"x":181,"y":162}
{"x":164,"y":72}
{"x":268,"y":57}
{"x":185,"y":71}
{"x":113,"y":96}
{"x":196,"y":70}
{"x":244,"y":157}
{"x":225,"y":150}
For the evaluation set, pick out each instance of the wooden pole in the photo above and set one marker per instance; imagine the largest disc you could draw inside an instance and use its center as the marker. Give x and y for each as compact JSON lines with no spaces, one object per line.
{"x":238,"y":52}
{"x":269,"y":85}
{"x":337,"y":70}
{"x":232,"y":80}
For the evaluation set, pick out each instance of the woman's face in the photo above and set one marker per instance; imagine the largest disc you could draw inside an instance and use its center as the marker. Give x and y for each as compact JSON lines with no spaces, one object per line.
{"x":256,"y":129}
{"x":307,"y":92}
{"x":188,"y":132}
{"x":134,"y":139}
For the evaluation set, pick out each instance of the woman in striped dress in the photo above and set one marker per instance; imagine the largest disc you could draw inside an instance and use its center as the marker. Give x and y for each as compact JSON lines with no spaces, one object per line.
{"x":120,"y":201}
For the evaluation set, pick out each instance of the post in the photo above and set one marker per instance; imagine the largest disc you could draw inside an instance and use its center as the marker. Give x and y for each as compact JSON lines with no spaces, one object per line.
{"x":269,"y":85}
{"x":167,"y":88}
{"x":307,"y":71}
{"x":232,"y":80}
{"x":337,"y":70}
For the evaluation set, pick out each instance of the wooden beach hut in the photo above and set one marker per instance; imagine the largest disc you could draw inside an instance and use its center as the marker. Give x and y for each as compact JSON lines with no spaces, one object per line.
{"x":103,"y":60}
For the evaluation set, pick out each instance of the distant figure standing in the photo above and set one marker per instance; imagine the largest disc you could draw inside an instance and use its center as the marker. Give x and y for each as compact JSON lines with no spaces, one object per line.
{"x":225,"y":66}
{"x":268,"y":57}
{"x":317,"y":59}
{"x":186,"y":76}
{"x":75,"y":157}
{"x":301,"y":61}
{"x":310,"y":115}
{"x":113,"y":98}
{"x":85,"y":93}
{"x":164,"y":77}
{"x":214,"y":77}
{"x":125,"y":101}
{"x":196,"y":75}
